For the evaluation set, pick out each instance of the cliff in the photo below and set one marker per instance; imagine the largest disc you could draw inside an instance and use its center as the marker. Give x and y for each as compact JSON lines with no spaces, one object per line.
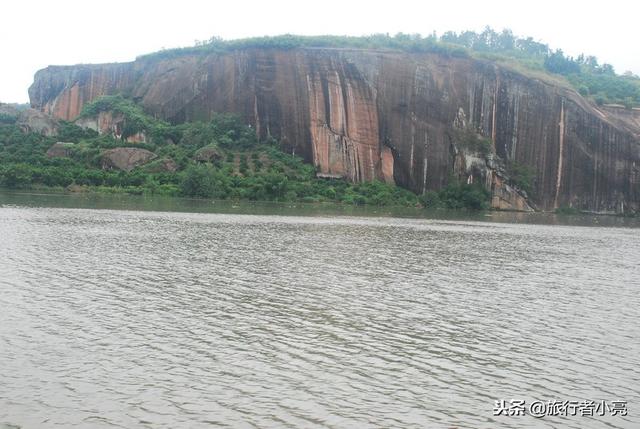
{"x":393,"y":116}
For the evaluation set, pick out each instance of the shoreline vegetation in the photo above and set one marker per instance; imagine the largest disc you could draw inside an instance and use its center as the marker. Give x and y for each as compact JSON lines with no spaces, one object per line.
{"x":220,"y":159}
{"x":217,"y":160}
{"x":89,"y":198}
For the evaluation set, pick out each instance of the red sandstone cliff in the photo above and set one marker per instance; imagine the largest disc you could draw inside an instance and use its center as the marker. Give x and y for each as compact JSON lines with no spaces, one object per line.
{"x":386,"y":115}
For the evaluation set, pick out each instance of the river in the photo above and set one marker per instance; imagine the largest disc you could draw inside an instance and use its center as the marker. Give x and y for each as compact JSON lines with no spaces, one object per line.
{"x":183,"y":314}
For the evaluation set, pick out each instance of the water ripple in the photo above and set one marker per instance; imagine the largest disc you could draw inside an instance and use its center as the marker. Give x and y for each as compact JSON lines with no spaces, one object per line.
{"x":170,"y":320}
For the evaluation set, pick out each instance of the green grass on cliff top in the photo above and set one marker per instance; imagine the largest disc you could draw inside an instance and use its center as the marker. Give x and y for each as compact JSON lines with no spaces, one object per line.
{"x":401,"y":42}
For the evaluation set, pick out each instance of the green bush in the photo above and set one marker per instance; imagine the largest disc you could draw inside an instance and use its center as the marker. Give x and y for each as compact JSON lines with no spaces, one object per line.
{"x":459,"y":195}
{"x":24,"y":164}
{"x":521,"y":176}
{"x":16,"y":176}
{"x":6,"y":118}
{"x":431,"y":199}
{"x":198,"y":181}
{"x":469,"y":139}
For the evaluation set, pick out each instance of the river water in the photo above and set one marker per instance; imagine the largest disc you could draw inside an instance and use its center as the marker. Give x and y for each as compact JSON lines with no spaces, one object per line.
{"x":134,"y":318}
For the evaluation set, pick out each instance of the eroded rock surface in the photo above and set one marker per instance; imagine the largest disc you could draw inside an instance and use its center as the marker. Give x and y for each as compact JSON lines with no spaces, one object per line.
{"x":366,"y":114}
{"x":31,"y":120}
{"x":165,"y":165}
{"x":60,"y":150}
{"x":110,"y":123}
{"x":208,"y":154}
{"x":125,"y":158}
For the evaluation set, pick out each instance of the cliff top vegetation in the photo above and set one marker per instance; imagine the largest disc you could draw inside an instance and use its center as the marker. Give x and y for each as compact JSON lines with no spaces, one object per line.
{"x":592,"y":79}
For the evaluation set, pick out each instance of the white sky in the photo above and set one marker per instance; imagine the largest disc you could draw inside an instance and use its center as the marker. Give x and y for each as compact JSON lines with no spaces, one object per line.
{"x":34,"y":34}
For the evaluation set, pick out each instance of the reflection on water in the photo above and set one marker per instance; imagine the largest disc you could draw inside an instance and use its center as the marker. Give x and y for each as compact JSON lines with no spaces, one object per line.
{"x":135,"y":318}
{"x":169,"y":204}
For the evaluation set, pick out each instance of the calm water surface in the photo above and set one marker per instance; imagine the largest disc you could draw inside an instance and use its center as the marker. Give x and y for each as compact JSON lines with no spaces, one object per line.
{"x":136,"y":319}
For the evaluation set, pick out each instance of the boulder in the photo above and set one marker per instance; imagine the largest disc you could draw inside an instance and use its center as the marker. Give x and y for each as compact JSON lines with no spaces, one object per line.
{"x":165,"y":165}
{"x":208,"y":154}
{"x":60,"y":150}
{"x":31,"y":120}
{"x":125,"y":158}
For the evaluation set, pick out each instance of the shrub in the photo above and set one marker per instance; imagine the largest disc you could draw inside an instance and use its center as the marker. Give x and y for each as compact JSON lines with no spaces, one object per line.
{"x":521,"y":176}
{"x":431,"y":199}
{"x":6,"y":118}
{"x":197,"y":182}
{"x":469,"y":139}
{"x":458,"y":195}
{"x":16,"y":176}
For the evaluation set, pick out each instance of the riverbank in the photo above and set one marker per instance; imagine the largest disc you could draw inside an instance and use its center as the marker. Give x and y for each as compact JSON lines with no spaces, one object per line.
{"x":102,"y":201}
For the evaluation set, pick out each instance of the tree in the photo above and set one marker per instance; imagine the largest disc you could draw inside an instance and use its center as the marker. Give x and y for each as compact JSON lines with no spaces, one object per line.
{"x":558,"y":63}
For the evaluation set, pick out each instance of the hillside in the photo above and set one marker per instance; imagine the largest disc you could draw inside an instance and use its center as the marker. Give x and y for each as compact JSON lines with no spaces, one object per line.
{"x":118,"y":148}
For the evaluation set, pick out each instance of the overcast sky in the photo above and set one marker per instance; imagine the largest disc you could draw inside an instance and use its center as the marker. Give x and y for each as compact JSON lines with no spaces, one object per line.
{"x":34,"y":34}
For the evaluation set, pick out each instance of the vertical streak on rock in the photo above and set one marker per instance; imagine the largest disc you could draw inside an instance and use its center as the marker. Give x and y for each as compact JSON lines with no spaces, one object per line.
{"x":560,"y":155}
{"x":92,"y":87}
{"x":594,"y":200}
{"x":413,"y":142}
{"x":373,"y":160}
{"x":256,"y":115}
{"x":386,"y":161}
{"x":494,"y":114}
{"x":376,"y":102}
{"x":353,"y":165}
{"x":336,"y":105}
{"x":472,"y":97}
{"x":514,"y":137}
{"x":314,"y":115}
{"x":411,"y":162}
{"x":424,"y":167}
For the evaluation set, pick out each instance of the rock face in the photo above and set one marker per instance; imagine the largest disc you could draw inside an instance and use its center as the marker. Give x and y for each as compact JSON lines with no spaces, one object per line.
{"x":34,"y":121}
{"x":165,"y":165}
{"x":506,"y":197}
{"x":365,"y":114}
{"x":125,"y":158}
{"x":110,"y":123}
{"x":31,"y":120}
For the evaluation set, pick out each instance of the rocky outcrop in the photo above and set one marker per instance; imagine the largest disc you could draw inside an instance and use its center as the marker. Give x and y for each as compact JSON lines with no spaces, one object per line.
{"x":365,"y":114}
{"x":35,"y":121}
{"x":31,"y":120}
{"x":165,"y":165}
{"x":208,"y":153}
{"x":9,"y":110}
{"x":125,"y":158}
{"x":112,"y":123}
{"x":629,"y":118}
{"x":60,"y":150}
{"x":506,"y":197}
